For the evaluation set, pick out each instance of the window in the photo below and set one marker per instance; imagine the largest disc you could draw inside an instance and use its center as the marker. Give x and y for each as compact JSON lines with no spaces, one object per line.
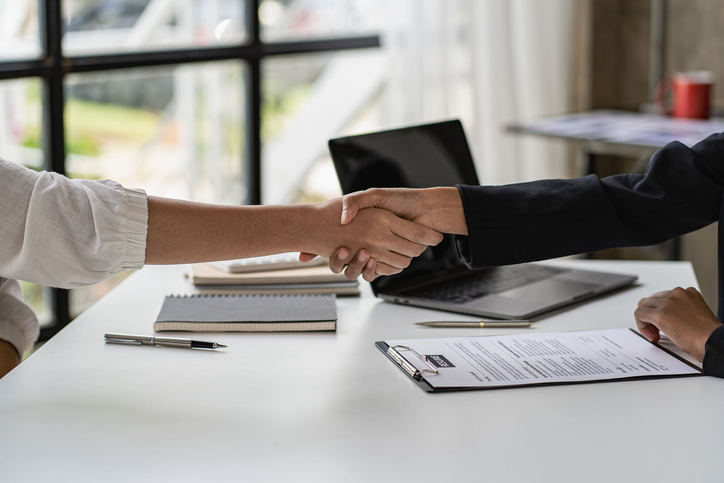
{"x":183,"y":98}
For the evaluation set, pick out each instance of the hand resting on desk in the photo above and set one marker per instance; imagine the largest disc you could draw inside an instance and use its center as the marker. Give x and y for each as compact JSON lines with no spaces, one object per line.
{"x":682,"y":314}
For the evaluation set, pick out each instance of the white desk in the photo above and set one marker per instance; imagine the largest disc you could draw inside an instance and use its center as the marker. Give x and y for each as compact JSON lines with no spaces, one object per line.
{"x":329,"y":407}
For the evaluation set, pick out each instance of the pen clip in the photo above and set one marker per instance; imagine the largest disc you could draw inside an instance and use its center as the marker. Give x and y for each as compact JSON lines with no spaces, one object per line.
{"x":114,"y":340}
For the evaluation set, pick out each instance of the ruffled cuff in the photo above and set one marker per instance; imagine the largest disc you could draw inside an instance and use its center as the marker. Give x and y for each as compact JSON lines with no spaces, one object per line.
{"x":137,"y":229}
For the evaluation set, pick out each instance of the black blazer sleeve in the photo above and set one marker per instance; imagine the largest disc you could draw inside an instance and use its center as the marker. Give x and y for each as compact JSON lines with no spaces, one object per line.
{"x":680,"y":192}
{"x":714,"y":355}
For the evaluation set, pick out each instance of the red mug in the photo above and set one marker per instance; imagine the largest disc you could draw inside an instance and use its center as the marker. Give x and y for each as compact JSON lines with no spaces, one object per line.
{"x":691,"y":94}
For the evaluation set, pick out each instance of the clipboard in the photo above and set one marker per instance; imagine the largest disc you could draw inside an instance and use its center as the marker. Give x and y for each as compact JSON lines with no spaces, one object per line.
{"x":392,"y":354}
{"x":422,"y":368}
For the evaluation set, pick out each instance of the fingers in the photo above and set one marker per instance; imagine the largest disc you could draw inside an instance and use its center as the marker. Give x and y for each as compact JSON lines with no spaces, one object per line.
{"x":385,"y":269}
{"x":648,"y":330}
{"x":361,"y":264}
{"x":682,"y":314}
{"x":400,"y":240}
{"x":357,"y":264}
{"x":306,"y":257}
{"x":416,"y":233}
{"x":370,"y":272}
{"x":648,"y":314}
{"x":338,"y":260}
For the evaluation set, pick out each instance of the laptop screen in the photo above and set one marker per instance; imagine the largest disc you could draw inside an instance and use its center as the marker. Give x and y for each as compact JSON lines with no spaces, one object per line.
{"x":413,"y":157}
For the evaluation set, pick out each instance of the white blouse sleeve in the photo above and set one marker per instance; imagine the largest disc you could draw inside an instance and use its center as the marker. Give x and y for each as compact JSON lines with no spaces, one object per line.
{"x":68,"y":233}
{"x":62,"y":233}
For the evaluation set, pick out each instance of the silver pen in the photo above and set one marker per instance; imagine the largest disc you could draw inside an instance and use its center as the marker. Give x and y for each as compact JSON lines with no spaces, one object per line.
{"x":491,"y":324}
{"x":129,"y":339}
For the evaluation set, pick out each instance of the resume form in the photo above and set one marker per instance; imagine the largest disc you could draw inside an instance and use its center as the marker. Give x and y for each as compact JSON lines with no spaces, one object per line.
{"x":539,"y":358}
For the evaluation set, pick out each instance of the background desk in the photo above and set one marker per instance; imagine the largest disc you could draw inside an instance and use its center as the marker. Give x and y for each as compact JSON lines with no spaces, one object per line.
{"x":620,"y":133}
{"x":329,"y":407}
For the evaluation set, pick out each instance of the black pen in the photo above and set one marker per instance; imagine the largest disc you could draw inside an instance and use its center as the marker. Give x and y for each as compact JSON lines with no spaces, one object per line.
{"x":160,"y":341}
{"x":491,"y":324}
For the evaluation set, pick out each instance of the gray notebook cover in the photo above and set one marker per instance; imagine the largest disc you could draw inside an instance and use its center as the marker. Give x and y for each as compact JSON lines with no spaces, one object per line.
{"x":249,"y":308}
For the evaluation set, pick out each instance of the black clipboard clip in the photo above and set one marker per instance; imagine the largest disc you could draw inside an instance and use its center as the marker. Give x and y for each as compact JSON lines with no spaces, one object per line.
{"x":413,"y":371}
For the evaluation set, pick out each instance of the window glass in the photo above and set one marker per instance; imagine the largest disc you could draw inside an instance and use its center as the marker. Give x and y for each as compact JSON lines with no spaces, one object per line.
{"x":21,"y":120}
{"x":19,"y":30}
{"x":174,"y":132}
{"x":113,"y":26}
{"x":39,"y":299}
{"x":283,"y":20}
{"x":308,"y":99}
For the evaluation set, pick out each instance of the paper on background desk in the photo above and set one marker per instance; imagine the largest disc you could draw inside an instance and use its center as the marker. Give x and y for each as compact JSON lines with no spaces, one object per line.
{"x":541,"y":358}
{"x":623,"y":127}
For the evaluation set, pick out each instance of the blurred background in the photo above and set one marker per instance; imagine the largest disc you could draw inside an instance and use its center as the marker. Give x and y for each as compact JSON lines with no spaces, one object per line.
{"x":233,"y":101}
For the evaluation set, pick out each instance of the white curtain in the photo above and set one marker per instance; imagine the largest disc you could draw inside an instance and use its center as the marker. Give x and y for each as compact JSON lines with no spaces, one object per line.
{"x":489,"y":63}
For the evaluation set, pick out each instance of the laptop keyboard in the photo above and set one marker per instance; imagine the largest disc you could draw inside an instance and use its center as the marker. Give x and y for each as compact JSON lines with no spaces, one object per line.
{"x":488,"y":282}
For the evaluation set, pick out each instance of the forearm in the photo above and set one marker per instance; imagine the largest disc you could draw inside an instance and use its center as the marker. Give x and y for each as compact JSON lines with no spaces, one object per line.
{"x":188,"y":232}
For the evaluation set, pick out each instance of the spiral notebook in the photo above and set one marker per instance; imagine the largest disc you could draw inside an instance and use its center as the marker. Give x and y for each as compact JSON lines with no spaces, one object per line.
{"x":248,"y":313}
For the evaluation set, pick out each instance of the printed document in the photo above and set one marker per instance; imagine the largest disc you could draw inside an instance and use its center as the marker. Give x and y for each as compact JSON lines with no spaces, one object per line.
{"x":541,"y":357}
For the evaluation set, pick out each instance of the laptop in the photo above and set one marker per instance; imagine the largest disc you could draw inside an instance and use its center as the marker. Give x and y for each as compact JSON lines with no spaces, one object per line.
{"x":438,"y":155}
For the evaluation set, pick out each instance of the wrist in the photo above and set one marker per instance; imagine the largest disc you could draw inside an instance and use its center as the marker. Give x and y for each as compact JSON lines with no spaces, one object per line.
{"x":307,"y":228}
{"x":447,"y":210}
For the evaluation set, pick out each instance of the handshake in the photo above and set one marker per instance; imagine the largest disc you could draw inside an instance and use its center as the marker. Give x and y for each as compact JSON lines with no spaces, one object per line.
{"x":381,"y":229}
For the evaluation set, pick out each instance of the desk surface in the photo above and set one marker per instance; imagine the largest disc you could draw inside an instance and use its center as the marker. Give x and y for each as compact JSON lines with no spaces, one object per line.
{"x":329,"y":407}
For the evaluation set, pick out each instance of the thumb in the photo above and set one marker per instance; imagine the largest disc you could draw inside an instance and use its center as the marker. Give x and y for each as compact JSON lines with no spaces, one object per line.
{"x":352,"y":203}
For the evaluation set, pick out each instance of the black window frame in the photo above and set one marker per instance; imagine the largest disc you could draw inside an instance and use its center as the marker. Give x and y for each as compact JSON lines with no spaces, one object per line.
{"x":52,"y":67}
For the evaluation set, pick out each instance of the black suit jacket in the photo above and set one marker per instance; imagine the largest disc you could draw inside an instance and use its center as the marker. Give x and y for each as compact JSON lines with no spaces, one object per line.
{"x":681,"y":192}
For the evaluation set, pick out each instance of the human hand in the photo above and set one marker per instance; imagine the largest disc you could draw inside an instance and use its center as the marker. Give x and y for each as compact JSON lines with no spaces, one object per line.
{"x":438,"y":208}
{"x":9,"y":357}
{"x":361,"y":263}
{"x":682,"y":314}
{"x":383,"y":242}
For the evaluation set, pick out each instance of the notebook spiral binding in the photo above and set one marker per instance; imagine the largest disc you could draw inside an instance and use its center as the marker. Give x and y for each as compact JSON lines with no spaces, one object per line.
{"x":255,"y":295}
